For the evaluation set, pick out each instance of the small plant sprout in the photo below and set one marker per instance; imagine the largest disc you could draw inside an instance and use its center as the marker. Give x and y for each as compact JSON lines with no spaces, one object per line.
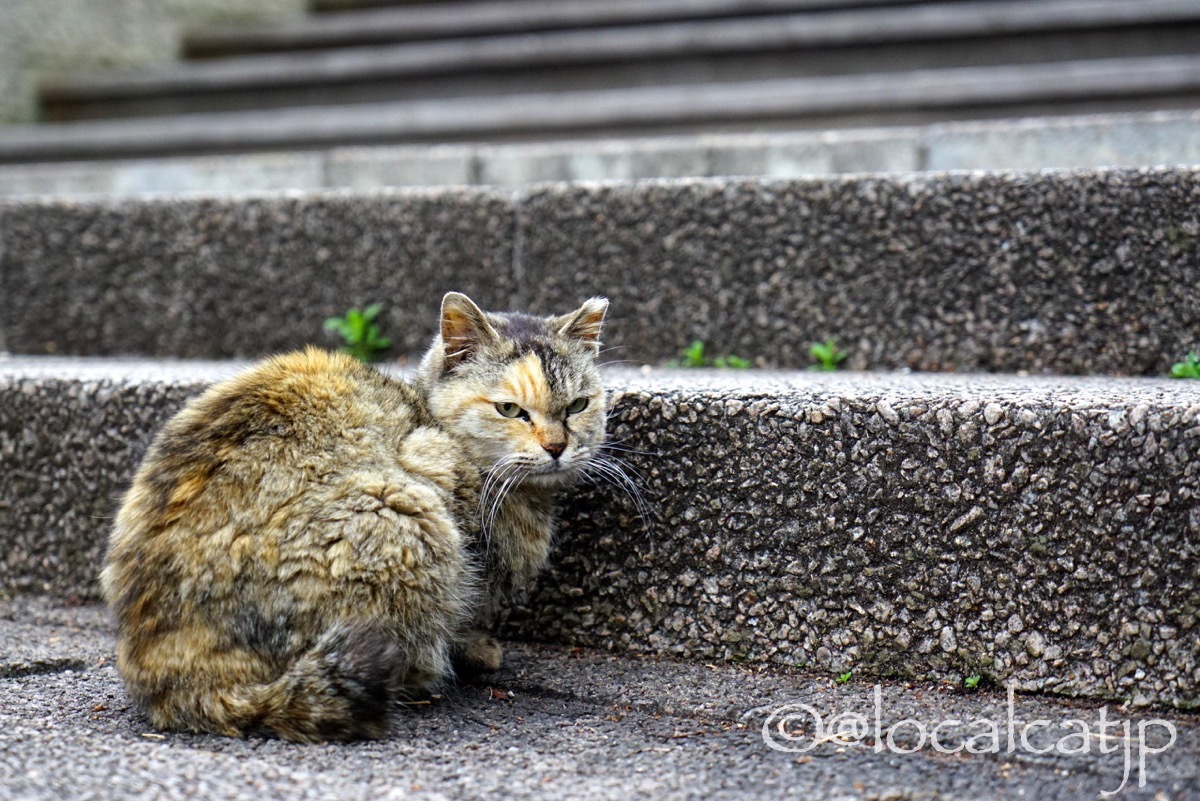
{"x":972,"y":682}
{"x":731,"y":363}
{"x":693,"y":356}
{"x":1188,"y":368}
{"x":360,"y":334}
{"x":826,"y":355}
{"x":844,"y":677}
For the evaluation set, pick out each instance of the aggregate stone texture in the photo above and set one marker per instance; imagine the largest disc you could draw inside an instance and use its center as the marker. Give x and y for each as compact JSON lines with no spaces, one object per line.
{"x":1043,"y":532}
{"x":243,"y":275}
{"x":557,"y":722}
{"x":71,"y":433}
{"x":1040,"y":532}
{"x":1060,"y":272}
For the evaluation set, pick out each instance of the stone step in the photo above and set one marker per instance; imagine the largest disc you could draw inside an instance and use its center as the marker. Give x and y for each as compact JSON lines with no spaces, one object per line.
{"x":804,"y":46}
{"x":1041,"y":532}
{"x":1169,"y":138}
{"x":377,"y":23}
{"x":1072,"y":272}
{"x":921,"y":96}
{"x":471,"y":6}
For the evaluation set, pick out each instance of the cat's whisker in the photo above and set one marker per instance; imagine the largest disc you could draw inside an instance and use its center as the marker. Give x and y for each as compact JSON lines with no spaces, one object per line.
{"x":613,"y":446}
{"x":617,"y":441}
{"x":511,"y":481}
{"x":632,"y":350}
{"x":621,"y":474}
{"x":489,"y":505}
{"x":616,"y":474}
{"x":641,"y":507}
{"x":492,"y":491}
{"x":619,"y":446}
{"x":498,"y":476}
{"x":609,"y":416}
{"x":602,"y":454}
{"x":484,"y":490}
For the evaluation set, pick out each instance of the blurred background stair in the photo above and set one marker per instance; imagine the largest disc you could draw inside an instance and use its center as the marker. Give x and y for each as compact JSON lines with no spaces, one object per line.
{"x":1123,"y":57}
{"x":589,"y":89}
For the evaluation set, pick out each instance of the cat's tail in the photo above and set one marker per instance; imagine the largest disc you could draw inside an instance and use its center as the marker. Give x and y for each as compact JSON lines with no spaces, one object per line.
{"x":343,"y":688}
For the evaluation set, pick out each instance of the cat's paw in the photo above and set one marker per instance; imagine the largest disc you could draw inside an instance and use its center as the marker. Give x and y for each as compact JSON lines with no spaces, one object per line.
{"x":478,"y":653}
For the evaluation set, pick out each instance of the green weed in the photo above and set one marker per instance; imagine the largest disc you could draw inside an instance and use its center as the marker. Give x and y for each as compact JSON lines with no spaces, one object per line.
{"x":1188,"y":368}
{"x":826,"y":355}
{"x":359,"y":333}
{"x":693,"y":356}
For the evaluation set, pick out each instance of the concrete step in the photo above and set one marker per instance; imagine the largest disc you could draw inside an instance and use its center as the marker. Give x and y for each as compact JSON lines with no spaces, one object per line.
{"x":378,"y":23}
{"x":479,"y":6}
{"x":578,"y":723}
{"x":1074,"y":272}
{"x":921,"y":96}
{"x":1039,"y":532}
{"x":797,"y":47}
{"x":1105,"y":140}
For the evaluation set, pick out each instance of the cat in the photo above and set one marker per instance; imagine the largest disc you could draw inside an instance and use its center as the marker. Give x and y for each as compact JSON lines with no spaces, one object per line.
{"x":312,"y":540}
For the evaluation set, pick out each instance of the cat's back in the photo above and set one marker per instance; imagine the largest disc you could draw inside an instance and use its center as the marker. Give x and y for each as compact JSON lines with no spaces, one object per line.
{"x":256,"y":454}
{"x":307,"y":398}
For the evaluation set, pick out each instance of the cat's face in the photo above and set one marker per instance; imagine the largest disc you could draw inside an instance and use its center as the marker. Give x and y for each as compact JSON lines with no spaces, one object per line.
{"x":524,"y":392}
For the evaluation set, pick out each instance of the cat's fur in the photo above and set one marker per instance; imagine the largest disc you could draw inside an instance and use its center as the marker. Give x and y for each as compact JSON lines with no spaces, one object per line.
{"x":310,"y":539}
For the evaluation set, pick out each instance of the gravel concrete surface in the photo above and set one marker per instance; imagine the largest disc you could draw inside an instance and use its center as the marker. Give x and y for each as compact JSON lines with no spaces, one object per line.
{"x":1038,"y":531}
{"x":1073,"y":272}
{"x":1079,"y":273}
{"x":243,"y":275}
{"x":572,"y":723}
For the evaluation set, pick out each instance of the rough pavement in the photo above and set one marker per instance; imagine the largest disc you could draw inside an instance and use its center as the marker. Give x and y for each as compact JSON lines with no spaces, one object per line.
{"x":555,"y":723}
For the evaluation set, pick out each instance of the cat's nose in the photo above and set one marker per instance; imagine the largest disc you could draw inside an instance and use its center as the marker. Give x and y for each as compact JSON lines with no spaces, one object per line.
{"x":555,"y":449}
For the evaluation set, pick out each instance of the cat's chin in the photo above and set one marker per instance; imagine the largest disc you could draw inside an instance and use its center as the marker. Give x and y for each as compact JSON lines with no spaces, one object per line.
{"x":552,"y":478}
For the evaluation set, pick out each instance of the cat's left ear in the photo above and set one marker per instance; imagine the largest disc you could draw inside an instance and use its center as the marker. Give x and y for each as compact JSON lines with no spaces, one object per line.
{"x":584,"y":323}
{"x":465,"y":329}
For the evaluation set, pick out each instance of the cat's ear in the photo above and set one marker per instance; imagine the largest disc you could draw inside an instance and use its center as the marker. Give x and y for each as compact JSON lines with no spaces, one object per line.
{"x":464,"y":329}
{"x":584,"y":323}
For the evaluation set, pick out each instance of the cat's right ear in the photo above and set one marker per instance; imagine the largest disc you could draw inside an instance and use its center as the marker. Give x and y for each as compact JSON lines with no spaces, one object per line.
{"x":464,"y":329}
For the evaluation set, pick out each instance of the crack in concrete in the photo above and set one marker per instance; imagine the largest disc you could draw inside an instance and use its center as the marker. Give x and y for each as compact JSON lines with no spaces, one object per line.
{"x":41,"y":667}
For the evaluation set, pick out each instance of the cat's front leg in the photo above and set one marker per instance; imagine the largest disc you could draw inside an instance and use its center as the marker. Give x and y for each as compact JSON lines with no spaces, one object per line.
{"x":477,"y":652}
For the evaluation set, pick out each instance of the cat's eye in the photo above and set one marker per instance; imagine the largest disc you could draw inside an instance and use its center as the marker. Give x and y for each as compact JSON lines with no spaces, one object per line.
{"x":509,"y":409}
{"x":577,"y":406}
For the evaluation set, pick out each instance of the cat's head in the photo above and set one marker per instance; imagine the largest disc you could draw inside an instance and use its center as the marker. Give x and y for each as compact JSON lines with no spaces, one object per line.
{"x":523,"y":391}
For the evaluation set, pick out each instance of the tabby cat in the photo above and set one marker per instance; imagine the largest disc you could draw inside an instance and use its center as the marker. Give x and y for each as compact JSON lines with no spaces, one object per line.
{"x":312,"y":539}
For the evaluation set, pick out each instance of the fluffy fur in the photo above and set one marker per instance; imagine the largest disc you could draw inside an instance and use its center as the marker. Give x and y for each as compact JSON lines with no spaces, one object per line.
{"x":307,"y":541}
